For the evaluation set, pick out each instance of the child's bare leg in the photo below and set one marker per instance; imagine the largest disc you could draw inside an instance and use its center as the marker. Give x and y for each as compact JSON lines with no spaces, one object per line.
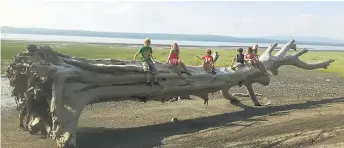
{"x":204,"y":66}
{"x":233,"y":60}
{"x":147,"y":77}
{"x":234,"y":67}
{"x":249,"y":64}
{"x":154,"y":73}
{"x":156,"y":82}
{"x":146,"y":69}
{"x":213,"y":69}
{"x":155,"y":77}
{"x":184,"y":67}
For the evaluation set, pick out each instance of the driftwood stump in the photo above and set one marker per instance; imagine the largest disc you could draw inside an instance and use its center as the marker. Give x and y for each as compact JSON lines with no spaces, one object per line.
{"x":57,"y":87}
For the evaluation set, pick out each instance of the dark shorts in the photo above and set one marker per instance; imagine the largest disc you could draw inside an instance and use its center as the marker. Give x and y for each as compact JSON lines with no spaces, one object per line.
{"x":148,"y":66}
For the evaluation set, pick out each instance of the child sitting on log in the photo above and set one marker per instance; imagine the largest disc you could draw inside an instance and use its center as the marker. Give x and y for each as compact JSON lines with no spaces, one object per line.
{"x":252,"y":60}
{"x":249,"y":57}
{"x":147,"y":62}
{"x":239,"y":59}
{"x":173,"y":58}
{"x":208,"y":62}
{"x":258,"y":63}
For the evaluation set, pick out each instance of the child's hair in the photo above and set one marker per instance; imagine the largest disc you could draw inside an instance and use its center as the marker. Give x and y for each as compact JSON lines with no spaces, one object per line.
{"x":249,"y":49}
{"x":174,"y":45}
{"x":147,"y":41}
{"x":255,"y":48}
{"x":240,"y":50}
{"x":208,"y":51}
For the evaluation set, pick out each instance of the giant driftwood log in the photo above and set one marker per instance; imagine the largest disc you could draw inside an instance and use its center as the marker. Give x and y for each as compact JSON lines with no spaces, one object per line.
{"x":53,"y":88}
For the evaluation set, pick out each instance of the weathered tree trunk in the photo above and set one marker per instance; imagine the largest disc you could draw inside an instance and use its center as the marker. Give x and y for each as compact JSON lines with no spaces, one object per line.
{"x":78,"y":82}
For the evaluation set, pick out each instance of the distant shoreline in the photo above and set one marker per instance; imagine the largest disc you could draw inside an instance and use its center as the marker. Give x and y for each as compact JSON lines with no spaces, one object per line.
{"x":165,"y":46}
{"x":130,"y":44}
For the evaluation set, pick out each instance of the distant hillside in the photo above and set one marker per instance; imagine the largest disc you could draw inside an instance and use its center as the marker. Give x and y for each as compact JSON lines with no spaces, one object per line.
{"x":159,"y":36}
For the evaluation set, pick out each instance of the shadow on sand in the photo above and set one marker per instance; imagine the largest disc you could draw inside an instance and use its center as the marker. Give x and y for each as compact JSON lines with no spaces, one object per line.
{"x":152,"y":135}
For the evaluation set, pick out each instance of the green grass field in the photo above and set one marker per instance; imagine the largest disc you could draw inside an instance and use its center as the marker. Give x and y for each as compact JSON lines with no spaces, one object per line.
{"x":10,"y":48}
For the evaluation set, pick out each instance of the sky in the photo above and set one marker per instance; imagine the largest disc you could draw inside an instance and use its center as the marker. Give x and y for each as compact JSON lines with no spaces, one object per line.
{"x":229,"y":18}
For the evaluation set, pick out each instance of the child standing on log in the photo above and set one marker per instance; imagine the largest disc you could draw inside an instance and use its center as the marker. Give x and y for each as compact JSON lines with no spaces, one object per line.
{"x":147,"y":62}
{"x":208,"y":62}
{"x":173,"y":58}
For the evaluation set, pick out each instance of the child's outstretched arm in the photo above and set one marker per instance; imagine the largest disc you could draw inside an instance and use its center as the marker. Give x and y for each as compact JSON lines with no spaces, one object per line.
{"x":233,"y":60}
{"x":199,"y":57}
{"x":137,"y":53}
{"x":135,"y":56}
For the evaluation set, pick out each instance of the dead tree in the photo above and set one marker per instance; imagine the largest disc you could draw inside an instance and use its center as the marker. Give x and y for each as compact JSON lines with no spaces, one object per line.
{"x":77,"y":82}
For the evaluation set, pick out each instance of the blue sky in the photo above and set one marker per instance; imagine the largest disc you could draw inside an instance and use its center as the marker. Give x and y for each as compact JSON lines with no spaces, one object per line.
{"x":242,"y":19}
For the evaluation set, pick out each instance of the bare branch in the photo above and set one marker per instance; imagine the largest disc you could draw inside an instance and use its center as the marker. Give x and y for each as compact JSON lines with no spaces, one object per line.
{"x":285,"y":49}
{"x":311,"y":66}
{"x":252,"y":95}
{"x":270,"y":49}
{"x":300,"y":52}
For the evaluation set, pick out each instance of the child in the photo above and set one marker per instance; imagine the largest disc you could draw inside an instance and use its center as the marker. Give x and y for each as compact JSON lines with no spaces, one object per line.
{"x":147,"y":63}
{"x":239,"y":59}
{"x":208,"y":62}
{"x":173,"y":58}
{"x":249,"y":57}
{"x":258,"y":63}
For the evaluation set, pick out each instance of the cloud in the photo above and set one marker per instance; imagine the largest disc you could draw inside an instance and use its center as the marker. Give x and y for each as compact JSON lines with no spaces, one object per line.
{"x":225,"y":18}
{"x":306,"y":15}
{"x":118,"y":10}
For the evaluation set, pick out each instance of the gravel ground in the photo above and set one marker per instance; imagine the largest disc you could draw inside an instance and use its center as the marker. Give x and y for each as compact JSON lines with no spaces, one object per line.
{"x":305,"y":109}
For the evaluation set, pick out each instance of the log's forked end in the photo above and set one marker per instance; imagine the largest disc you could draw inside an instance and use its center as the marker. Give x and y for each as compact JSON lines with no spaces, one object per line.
{"x":328,"y":62}
{"x":312,"y":66}
{"x":331,"y":60}
{"x":300,"y":52}
{"x":269,"y":50}
{"x":285,"y":48}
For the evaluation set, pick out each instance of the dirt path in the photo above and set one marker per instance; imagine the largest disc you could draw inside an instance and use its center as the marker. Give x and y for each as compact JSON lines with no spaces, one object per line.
{"x":307,"y":109}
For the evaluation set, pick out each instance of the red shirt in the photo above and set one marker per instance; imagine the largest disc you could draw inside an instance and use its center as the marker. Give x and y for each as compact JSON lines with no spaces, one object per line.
{"x":249,"y":55}
{"x":173,"y":55}
{"x":207,"y":58}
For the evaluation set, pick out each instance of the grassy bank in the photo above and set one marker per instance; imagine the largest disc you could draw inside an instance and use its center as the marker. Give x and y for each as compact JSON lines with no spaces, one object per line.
{"x":10,"y":48}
